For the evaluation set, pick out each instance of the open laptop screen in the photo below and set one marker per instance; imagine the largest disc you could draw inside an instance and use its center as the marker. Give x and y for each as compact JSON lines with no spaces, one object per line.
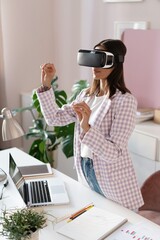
{"x":16,"y":176}
{"x":14,"y":171}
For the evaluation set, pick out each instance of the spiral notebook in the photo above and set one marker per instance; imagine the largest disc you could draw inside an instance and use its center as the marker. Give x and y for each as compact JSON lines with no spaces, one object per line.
{"x":94,"y":224}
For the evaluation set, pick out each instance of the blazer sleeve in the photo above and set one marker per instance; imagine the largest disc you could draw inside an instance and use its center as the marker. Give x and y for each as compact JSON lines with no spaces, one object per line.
{"x":55,"y":116}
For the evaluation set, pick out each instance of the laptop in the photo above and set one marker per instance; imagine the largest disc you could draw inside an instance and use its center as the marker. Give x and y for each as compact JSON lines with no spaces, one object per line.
{"x":38,"y":191}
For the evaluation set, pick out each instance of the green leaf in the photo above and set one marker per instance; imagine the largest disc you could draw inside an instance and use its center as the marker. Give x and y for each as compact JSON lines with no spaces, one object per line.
{"x":61,"y":93}
{"x":64,"y":131}
{"x":67,"y":146}
{"x":77,"y":88}
{"x":42,"y":147}
{"x":36,"y":103}
{"x":39,"y":123}
{"x":61,"y":98}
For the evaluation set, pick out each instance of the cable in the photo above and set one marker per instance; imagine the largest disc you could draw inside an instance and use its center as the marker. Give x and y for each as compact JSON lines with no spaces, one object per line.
{"x":5,"y":184}
{"x":3,"y":175}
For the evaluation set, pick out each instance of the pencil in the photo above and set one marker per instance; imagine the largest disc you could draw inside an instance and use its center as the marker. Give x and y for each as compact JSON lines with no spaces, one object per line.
{"x":76,"y":214}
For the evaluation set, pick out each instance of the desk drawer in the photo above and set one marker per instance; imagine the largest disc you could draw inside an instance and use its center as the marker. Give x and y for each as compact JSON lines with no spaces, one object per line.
{"x":143,"y":145}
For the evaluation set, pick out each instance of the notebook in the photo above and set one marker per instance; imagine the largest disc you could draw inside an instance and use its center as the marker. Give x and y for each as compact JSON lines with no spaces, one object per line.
{"x":93,"y":224}
{"x":38,"y":191}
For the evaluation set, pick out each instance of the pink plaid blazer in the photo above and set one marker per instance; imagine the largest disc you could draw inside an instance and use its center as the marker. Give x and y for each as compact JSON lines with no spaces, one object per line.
{"x":108,"y":140}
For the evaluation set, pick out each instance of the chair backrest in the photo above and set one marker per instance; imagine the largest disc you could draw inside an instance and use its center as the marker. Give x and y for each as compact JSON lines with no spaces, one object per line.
{"x":151,"y":192}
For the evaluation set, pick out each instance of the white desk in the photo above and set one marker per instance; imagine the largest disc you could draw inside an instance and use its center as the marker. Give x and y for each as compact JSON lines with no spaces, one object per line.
{"x":79,"y":196}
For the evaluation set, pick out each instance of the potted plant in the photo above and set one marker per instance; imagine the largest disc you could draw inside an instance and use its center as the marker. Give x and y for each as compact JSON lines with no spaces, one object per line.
{"x":22,"y":224}
{"x":46,"y":139}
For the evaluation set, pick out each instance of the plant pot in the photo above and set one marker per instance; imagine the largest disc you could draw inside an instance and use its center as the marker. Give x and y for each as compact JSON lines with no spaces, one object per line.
{"x":34,"y":236}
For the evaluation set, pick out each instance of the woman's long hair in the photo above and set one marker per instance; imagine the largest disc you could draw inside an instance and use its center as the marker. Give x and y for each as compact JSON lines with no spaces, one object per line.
{"x":116,"y":78}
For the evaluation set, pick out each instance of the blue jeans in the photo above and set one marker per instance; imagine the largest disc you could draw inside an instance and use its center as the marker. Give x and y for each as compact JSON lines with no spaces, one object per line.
{"x":88,"y":171}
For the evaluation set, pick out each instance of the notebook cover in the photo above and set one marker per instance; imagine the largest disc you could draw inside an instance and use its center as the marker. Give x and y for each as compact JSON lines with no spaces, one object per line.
{"x":94,"y":224}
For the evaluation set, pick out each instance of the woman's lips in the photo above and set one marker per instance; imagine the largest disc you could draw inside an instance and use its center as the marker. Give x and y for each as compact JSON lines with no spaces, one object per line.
{"x":96,"y":72}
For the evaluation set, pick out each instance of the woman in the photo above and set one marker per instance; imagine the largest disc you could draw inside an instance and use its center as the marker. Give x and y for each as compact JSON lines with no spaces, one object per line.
{"x":104,"y":116}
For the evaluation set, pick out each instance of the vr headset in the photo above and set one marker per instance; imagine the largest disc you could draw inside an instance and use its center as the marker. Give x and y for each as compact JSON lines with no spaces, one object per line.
{"x":98,"y":58}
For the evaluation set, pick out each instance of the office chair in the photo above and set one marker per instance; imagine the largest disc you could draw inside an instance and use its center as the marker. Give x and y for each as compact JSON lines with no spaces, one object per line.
{"x":151,"y":195}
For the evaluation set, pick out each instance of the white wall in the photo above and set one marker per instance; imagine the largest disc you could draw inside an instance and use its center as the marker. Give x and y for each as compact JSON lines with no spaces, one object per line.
{"x":34,"y":32}
{"x":37,"y":31}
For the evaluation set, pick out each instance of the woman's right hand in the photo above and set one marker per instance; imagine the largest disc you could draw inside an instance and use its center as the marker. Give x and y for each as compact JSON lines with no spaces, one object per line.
{"x":47,"y":74}
{"x":83,"y":112}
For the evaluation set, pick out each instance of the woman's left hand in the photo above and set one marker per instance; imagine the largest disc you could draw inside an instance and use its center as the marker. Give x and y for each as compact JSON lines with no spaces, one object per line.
{"x":83,"y":112}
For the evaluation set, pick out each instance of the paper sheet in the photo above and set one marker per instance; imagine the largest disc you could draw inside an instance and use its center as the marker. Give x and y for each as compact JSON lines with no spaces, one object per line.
{"x":139,"y":231}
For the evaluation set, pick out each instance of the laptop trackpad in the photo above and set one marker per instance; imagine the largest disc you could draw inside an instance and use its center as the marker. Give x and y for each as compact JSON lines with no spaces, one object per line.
{"x":59,"y":194}
{"x":57,"y":189}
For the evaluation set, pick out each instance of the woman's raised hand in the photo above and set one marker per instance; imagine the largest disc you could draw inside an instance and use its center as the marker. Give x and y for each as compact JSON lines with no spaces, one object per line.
{"x":47,"y":74}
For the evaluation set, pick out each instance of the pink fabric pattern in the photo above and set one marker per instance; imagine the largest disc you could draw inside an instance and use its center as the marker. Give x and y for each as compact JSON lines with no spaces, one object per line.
{"x":108,"y":140}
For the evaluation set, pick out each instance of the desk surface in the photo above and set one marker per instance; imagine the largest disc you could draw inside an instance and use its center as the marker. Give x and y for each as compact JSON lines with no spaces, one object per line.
{"x":79,"y":196}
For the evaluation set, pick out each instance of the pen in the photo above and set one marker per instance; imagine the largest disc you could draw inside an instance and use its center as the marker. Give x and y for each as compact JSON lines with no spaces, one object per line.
{"x":76,"y":214}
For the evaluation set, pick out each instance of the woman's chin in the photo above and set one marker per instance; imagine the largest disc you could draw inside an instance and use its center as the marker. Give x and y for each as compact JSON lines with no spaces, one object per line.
{"x":95,"y":77}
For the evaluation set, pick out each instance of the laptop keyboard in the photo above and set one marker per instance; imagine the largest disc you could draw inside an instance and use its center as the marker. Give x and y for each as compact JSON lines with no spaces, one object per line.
{"x":40,"y":191}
